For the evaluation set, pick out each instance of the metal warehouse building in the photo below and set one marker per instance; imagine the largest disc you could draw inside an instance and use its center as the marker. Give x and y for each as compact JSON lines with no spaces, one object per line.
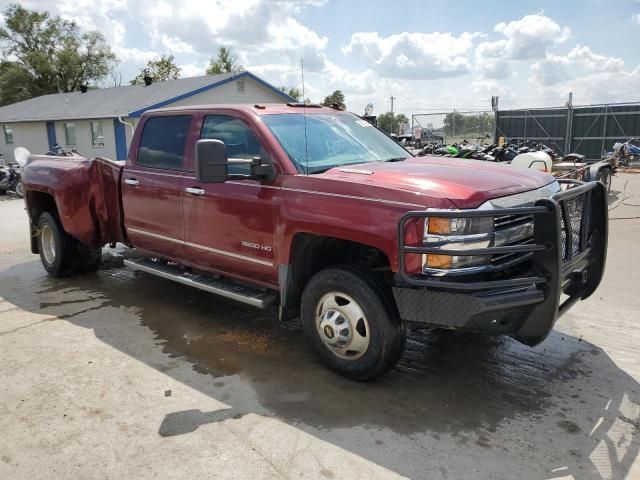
{"x":101,"y":122}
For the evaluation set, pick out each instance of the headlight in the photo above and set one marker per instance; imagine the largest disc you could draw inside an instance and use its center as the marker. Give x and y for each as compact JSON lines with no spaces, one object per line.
{"x":459,"y":234}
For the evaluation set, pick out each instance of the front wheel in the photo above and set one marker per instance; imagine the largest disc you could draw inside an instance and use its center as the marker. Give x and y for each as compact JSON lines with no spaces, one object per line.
{"x":19,"y":189}
{"x":349,"y":318}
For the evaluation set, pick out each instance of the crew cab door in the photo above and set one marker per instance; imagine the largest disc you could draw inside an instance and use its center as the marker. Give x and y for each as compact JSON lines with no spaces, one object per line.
{"x":230,"y":227}
{"x":153,"y":184}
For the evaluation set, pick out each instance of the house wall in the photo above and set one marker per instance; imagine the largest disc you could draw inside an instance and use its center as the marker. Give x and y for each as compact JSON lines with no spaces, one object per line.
{"x":31,"y":135}
{"x":83,"y":138}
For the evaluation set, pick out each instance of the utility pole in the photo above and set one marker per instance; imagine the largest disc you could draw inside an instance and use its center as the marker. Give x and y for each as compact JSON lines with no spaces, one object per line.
{"x":392,"y":99}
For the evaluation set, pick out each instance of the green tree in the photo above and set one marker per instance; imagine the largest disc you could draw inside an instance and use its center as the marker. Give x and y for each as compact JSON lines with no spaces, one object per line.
{"x":390,"y":123}
{"x":336,"y":97}
{"x":226,"y":62}
{"x":159,"y":70}
{"x":291,"y":91}
{"x":42,"y":54}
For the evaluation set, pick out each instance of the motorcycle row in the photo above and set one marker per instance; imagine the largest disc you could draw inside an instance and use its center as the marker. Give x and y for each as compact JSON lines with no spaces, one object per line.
{"x":506,"y":152}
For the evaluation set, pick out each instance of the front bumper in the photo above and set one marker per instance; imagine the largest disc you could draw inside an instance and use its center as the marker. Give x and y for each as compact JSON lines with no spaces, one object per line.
{"x":567,"y":259}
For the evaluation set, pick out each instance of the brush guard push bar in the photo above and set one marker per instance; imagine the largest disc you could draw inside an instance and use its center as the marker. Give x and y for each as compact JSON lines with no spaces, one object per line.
{"x":565,"y":258}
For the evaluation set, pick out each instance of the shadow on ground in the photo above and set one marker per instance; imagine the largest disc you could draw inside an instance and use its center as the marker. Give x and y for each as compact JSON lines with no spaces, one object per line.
{"x":565,"y":391}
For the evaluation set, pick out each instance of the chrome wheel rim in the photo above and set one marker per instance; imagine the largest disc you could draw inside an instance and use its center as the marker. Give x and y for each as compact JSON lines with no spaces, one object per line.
{"x":342,"y":326}
{"x":48,"y":244}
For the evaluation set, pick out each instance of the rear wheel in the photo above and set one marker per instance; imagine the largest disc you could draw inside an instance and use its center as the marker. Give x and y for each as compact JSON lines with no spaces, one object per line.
{"x":60,"y":253}
{"x":350,"y":320}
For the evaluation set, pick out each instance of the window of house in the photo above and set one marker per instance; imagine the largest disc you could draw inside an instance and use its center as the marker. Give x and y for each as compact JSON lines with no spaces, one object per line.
{"x":163,"y":140}
{"x":239,"y":140}
{"x":240,"y":85}
{"x":8,"y":135}
{"x":97,"y":134}
{"x":70,"y":134}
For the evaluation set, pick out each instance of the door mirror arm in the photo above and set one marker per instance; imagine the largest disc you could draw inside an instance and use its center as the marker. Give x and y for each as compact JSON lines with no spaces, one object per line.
{"x":260,"y":170}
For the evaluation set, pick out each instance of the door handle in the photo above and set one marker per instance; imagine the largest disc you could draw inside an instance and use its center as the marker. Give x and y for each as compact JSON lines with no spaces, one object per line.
{"x":131,"y":181}
{"x":195,"y":191}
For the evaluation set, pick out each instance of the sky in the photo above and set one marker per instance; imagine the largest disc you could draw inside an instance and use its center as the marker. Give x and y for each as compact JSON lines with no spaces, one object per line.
{"x":432,"y":56}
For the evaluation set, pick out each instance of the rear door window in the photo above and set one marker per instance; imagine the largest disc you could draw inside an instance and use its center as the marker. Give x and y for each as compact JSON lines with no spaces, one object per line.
{"x":163,"y":141}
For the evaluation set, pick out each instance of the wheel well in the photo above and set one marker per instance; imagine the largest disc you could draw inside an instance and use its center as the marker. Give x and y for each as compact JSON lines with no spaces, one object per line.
{"x":311,"y":253}
{"x":38,"y":203}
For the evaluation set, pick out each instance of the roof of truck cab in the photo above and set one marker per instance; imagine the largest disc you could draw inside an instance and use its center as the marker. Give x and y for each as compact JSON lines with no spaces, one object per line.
{"x":259,"y":109}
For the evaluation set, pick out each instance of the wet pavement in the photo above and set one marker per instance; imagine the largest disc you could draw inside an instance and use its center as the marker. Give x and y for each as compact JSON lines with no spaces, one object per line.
{"x":120,"y":374}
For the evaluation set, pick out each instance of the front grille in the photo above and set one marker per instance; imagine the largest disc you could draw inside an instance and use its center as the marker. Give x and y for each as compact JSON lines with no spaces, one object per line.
{"x":576,"y":219}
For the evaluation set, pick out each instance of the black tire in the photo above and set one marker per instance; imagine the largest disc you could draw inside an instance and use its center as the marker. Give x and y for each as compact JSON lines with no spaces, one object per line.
{"x":3,"y":192}
{"x":70,"y":257}
{"x":387,"y":334}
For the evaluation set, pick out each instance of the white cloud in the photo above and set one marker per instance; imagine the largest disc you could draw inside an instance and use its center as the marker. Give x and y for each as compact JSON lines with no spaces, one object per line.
{"x":580,"y":61}
{"x":590,"y":76}
{"x":636,"y":18}
{"x":528,"y":38}
{"x":593,"y":61}
{"x":254,"y":28}
{"x":600,"y":87}
{"x":490,"y":87}
{"x":531,"y":36}
{"x":338,"y":78}
{"x":413,"y":55}
{"x":550,"y":71}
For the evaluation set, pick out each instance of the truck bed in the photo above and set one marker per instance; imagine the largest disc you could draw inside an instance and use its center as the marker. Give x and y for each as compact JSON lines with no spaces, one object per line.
{"x":86,"y":193}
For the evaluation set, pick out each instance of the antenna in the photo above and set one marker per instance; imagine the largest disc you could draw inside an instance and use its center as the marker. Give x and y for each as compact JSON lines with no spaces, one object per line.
{"x":304,"y":116}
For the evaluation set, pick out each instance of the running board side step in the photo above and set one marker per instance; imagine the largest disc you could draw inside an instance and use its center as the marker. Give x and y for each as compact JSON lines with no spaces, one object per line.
{"x":219,"y":286}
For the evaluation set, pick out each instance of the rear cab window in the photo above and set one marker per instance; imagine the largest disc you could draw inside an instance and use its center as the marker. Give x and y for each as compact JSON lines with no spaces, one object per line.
{"x":163,"y":141}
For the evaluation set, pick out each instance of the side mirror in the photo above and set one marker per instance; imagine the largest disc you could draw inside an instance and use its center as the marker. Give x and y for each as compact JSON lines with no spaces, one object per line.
{"x":212,"y":165}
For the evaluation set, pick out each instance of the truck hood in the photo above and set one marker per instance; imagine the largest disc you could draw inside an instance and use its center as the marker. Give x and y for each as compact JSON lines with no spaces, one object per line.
{"x":466,"y":183}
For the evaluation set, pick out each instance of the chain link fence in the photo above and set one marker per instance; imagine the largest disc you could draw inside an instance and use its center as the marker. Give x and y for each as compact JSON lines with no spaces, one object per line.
{"x":454,"y":126}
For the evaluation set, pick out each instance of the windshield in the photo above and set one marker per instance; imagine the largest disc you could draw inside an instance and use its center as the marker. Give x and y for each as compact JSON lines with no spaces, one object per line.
{"x":332,"y":140}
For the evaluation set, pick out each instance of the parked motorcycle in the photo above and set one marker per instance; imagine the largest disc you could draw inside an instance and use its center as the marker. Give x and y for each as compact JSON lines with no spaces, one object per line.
{"x":624,"y":153}
{"x":58,"y":151}
{"x":11,"y":174}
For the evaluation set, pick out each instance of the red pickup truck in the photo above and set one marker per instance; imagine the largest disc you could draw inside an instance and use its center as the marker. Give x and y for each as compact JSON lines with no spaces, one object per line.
{"x":318,"y":210}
